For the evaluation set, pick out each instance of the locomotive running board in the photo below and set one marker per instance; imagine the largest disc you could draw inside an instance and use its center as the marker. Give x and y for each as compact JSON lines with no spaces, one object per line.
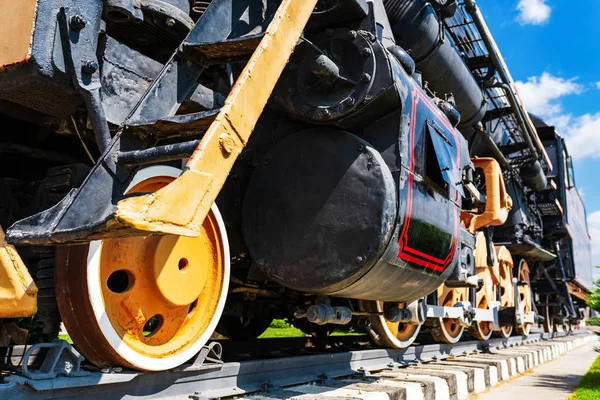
{"x":99,"y":208}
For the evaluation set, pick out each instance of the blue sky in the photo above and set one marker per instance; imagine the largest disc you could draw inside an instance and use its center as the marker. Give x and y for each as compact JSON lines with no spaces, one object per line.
{"x":552,"y":50}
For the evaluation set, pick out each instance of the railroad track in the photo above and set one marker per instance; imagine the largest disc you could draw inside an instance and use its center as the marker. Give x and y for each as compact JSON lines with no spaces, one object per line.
{"x":432,"y":371}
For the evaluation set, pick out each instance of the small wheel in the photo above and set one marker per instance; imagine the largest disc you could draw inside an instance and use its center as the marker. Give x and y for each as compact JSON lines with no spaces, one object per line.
{"x":505,"y":287}
{"x":569,"y":328}
{"x":243,"y":328}
{"x":525,"y":296}
{"x":559,"y":326}
{"x":487,"y":292}
{"x":545,"y":311}
{"x":448,"y":330}
{"x":148,"y":303}
{"x":395,"y":335}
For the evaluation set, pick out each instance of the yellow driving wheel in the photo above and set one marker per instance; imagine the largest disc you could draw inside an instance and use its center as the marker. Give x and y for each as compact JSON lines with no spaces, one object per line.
{"x":505,"y":286}
{"x":487,"y":292}
{"x":524,"y":291}
{"x":148,"y":303}
{"x":545,"y":311}
{"x":396,"y":335}
{"x":449,"y":330}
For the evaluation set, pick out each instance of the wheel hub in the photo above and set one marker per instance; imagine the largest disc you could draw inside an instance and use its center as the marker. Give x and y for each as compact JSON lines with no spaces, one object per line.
{"x":178,"y":273}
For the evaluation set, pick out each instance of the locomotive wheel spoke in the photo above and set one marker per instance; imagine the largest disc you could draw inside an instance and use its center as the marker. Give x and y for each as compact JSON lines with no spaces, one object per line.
{"x":396,"y":335}
{"x":545,"y":311}
{"x":148,"y":303}
{"x":448,"y":330}
{"x":559,"y":327}
{"x":506,"y":286}
{"x":525,"y":296}
{"x":487,"y":292}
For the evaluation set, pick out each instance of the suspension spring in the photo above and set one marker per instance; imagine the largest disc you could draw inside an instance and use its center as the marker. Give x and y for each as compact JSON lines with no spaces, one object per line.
{"x":199,"y":7}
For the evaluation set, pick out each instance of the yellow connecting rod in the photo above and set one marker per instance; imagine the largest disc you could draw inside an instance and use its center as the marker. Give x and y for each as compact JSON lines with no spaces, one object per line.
{"x":180,"y":207}
{"x":18,"y":293}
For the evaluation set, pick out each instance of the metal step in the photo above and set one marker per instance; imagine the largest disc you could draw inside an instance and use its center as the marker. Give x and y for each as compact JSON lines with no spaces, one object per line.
{"x":100,"y":209}
{"x":176,"y":126}
{"x":223,"y":52}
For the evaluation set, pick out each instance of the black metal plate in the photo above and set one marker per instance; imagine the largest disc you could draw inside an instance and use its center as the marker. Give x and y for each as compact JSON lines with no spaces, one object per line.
{"x":319,"y":210}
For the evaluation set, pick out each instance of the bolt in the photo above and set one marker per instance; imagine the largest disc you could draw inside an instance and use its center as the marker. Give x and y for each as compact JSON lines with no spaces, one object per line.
{"x":90,"y":67}
{"x":329,"y":32}
{"x":352,"y":35}
{"x":360,"y":148}
{"x":348,"y":102}
{"x":324,"y":113}
{"x":365,"y":77}
{"x":170,"y":22}
{"x":77,"y":23}
{"x":360,"y":259}
{"x":366,"y":52}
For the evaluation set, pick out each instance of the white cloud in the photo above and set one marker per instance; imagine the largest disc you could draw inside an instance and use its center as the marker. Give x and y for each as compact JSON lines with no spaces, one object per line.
{"x":534,"y":12}
{"x":540,"y":93}
{"x":593,"y":221}
{"x":583,"y":136}
{"x":542,"y":96}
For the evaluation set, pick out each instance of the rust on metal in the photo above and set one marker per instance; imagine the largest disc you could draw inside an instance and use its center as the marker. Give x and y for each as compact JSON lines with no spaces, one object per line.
{"x":449,"y":330}
{"x":525,"y":297}
{"x":486,"y":293}
{"x":17,"y":24}
{"x":176,"y":281}
{"x":498,"y":202}
{"x":578,"y":292}
{"x":506,"y":286}
{"x":18,"y":293}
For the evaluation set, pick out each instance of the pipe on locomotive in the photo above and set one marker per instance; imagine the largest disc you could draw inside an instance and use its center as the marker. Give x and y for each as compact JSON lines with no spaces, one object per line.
{"x":498,"y":155}
{"x":510,"y":95}
{"x":490,"y":44}
{"x":417,"y":29}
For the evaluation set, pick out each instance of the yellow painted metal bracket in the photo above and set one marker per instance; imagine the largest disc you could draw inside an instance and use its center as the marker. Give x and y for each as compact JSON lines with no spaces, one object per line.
{"x":17,"y":24}
{"x":18,"y":293}
{"x":498,"y":202}
{"x":180,"y":207}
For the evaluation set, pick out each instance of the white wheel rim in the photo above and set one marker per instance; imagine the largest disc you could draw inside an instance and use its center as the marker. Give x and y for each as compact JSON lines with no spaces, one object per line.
{"x":96,"y":299}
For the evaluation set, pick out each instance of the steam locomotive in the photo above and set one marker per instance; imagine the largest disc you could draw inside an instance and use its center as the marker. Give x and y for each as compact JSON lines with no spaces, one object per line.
{"x":177,"y":167}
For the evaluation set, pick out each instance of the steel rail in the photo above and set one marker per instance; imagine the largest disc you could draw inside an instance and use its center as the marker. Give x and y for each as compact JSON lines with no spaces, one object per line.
{"x":237,"y":378}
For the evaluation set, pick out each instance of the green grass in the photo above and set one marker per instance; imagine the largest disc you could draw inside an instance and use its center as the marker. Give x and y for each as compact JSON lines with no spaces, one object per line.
{"x":593,"y":321}
{"x":589,"y":387}
{"x":281,"y":333}
{"x":65,"y":337}
{"x":279,"y":328}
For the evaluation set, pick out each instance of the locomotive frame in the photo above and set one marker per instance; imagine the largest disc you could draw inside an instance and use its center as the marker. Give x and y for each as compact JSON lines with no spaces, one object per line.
{"x":370,"y":161}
